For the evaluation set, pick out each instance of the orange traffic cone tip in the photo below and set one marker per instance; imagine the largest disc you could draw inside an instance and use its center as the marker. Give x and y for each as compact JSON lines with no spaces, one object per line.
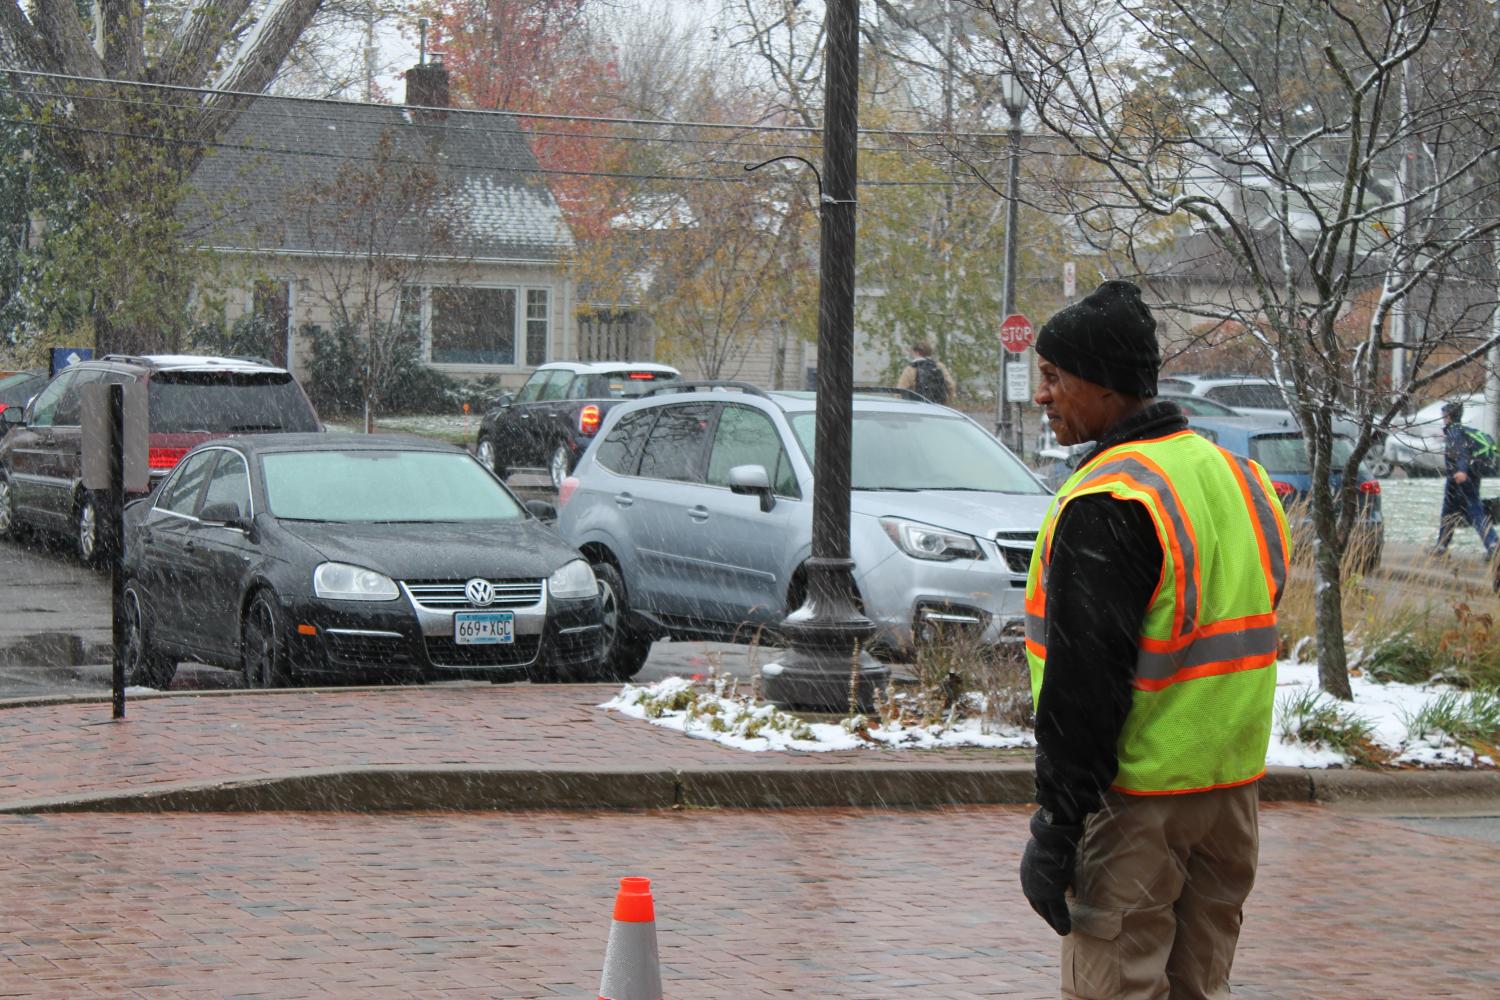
{"x":632,"y":970}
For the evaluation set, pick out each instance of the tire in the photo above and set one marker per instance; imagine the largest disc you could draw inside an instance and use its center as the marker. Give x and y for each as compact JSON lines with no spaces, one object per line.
{"x":485,"y":452}
{"x":145,"y":665}
{"x":10,"y":526}
{"x":263,"y":646}
{"x":88,"y":530}
{"x":623,"y":649}
{"x":559,"y":465}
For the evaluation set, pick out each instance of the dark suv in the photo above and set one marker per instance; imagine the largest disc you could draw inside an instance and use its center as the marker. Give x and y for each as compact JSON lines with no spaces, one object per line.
{"x":189,"y":399}
{"x":550,"y":422}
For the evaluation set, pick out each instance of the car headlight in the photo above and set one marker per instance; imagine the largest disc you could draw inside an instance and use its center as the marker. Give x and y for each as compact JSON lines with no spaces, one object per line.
{"x":573,"y":580}
{"x":923,"y":541}
{"x":343,"y":582}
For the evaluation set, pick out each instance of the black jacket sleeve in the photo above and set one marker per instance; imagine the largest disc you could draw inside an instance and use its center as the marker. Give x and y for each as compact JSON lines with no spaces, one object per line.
{"x":1106,"y":562}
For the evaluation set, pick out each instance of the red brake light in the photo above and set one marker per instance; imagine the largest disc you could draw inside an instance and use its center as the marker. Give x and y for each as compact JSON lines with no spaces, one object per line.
{"x":566,"y":490}
{"x":588,"y":419}
{"x":164,"y":458}
{"x":1369,"y":486}
{"x":3,"y":406}
{"x":643,"y":376}
{"x":1283,"y":490}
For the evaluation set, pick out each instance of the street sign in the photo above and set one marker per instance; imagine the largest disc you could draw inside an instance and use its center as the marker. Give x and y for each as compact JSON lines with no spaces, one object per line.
{"x":1015,"y":333}
{"x":62,"y":357}
{"x":1018,"y":381}
{"x":1070,"y":279}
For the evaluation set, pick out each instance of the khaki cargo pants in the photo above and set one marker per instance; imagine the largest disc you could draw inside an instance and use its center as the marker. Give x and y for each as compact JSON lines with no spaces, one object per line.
{"x":1158,"y":888}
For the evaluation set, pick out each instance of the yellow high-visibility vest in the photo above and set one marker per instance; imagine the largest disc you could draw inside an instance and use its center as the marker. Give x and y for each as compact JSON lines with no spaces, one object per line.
{"x":1205,"y":674}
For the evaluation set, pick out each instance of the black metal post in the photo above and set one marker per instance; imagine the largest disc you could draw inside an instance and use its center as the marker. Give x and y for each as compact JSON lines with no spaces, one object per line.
{"x":828,"y":634}
{"x":112,"y":535}
{"x":1012,"y":223}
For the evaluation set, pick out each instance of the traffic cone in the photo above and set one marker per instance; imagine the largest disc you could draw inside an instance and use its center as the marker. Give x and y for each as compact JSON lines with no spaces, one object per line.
{"x":631,"y":968}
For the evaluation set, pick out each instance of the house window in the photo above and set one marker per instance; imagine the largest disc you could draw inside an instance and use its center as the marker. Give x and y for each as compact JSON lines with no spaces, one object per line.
{"x":536,"y":326}
{"x":475,"y":326}
{"x":481,"y":326}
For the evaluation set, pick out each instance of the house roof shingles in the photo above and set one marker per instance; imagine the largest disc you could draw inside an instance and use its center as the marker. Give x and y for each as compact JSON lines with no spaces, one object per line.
{"x":241,"y":192}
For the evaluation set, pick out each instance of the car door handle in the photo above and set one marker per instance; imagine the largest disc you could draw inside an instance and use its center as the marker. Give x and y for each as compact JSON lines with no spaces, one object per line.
{"x":624,"y":500}
{"x":699,"y":513}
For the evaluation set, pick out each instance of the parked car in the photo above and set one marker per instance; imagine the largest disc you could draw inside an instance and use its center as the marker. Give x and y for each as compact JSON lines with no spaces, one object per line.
{"x":1283,"y":454}
{"x":550,"y":422}
{"x":1249,"y":396}
{"x":190,"y":399}
{"x":1416,"y":444}
{"x":695,"y":509}
{"x":289,"y":556}
{"x":16,"y":388}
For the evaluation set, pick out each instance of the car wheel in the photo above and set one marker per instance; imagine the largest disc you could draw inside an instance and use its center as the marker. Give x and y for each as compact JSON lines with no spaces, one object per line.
{"x":88,"y":530}
{"x":622,"y":649}
{"x":559,"y":465}
{"x":485,"y":452}
{"x":9,"y":525}
{"x":262,"y":645}
{"x":145,"y":665}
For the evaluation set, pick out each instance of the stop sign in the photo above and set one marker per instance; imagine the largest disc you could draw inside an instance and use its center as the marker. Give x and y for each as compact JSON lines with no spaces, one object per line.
{"x":1015,"y":333}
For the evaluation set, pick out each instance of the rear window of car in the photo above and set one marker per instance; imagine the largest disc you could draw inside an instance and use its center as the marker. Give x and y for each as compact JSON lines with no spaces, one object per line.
{"x":1286,"y":455}
{"x":627,"y":383}
{"x":1261,"y":397}
{"x":228,"y":403}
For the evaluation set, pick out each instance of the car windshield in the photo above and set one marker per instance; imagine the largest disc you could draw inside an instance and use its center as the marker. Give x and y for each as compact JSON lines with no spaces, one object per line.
{"x":894,"y":450}
{"x":627,"y":383}
{"x":228,"y":402}
{"x":383,"y":486}
{"x":1285,"y":454}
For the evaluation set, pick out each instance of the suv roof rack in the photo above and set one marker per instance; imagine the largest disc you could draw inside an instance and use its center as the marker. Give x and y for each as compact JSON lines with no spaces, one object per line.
{"x":708,"y":383}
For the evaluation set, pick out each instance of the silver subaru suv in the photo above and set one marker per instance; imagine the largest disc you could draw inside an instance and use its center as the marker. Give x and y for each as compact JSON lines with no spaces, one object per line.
{"x":694,"y":506}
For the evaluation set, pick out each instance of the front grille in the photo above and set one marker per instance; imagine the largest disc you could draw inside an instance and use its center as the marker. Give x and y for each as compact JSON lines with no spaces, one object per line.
{"x":448,"y":595}
{"x":374,"y":650}
{"x":447,"y":653}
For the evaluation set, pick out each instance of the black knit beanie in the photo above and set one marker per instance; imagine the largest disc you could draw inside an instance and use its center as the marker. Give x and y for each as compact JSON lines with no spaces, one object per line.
{"x":1107,"y":337}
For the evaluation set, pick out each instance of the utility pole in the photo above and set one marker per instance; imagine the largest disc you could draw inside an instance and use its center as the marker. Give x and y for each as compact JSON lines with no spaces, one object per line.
{"x":827,"y":666}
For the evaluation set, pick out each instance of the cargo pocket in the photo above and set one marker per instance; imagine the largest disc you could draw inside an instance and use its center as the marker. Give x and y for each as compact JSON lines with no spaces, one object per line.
{"x":1091,"y":954}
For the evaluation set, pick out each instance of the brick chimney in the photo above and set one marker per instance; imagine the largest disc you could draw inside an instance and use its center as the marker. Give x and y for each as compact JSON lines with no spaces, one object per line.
{"x":427,"y":85}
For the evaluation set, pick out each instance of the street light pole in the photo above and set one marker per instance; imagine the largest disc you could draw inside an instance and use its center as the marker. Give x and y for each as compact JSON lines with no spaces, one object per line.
{"x":1013,"y":98}
{"x":828,"y":635}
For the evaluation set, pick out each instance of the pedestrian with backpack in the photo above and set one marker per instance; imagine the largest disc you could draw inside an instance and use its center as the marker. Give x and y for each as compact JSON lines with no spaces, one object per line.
{"x":927,"y":376}
{"x":1463,"y":467}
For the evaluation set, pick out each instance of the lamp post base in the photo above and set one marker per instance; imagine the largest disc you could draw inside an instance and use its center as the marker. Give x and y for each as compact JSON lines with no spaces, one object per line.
{"x":827,"y":641}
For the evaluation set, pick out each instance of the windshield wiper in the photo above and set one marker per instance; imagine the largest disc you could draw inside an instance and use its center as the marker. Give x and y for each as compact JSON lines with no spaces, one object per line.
{"x":887,"y":489}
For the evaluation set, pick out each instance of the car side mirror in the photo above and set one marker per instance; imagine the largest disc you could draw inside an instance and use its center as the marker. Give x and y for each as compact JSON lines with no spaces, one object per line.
{"x":752,"y":480}
{"x":504,"y":399}
{"x":226,"y":513}
{"x":13,"y":415}
{"x":541,"y":510}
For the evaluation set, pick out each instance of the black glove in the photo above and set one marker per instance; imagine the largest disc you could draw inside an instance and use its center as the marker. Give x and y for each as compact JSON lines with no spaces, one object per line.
{"x":1047,"y":869}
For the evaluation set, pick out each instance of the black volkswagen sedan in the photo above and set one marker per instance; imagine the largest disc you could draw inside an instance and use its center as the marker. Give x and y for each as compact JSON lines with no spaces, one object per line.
{"x":293,"y":556}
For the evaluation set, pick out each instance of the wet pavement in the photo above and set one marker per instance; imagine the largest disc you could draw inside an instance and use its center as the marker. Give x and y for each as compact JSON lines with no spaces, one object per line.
{"x":826,"y":903}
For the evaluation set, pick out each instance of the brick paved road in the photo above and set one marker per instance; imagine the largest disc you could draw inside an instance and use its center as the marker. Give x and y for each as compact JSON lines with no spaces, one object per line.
{"x":813,"y":904}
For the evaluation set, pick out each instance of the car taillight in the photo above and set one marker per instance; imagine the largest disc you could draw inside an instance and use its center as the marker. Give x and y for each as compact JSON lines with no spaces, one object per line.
{"x":566,"y":490}
{"x":3,"y":406}
{"x":642,"y":376}
{"x":588,"y":419}
{"x":164,"y":458}
{"x":1369,"y":486}
{"x":1283,"y":490}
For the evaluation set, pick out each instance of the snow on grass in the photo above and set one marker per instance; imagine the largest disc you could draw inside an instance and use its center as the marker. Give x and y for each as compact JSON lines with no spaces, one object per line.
{"x":716,"y":711}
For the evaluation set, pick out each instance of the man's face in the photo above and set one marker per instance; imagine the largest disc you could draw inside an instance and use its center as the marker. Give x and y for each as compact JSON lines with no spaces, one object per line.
{"x":1076,"y":409}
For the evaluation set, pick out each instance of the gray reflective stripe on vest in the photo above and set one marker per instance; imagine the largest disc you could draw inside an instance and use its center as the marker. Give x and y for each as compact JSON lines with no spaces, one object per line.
{"x":1036,"y":629}
{"x":1270,"y":528}
{"x":1147,"y":476}
{"x":1207,"y":649}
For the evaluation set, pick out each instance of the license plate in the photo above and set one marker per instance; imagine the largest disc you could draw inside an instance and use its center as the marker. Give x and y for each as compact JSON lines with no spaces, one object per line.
{"x":478,"y":628}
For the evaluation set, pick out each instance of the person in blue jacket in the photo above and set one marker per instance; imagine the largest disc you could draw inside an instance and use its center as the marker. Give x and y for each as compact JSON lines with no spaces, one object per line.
{"x":1461,"y":503}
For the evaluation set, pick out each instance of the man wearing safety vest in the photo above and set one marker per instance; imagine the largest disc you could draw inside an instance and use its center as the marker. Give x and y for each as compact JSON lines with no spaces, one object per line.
{"x":1151,"y":636}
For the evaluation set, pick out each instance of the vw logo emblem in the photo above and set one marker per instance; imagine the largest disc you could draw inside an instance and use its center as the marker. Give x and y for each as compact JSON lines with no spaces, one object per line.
{"x":481,"y":593}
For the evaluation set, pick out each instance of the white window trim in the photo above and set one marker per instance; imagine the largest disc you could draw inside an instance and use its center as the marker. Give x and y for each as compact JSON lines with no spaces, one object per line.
{"x":520,"y":364}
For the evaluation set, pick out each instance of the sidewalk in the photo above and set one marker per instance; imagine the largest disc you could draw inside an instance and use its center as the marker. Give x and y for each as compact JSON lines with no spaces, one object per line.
{"x":487,"y":747}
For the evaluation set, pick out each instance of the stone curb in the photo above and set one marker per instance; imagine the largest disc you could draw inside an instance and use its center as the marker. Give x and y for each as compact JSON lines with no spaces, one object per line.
{"x":479,"y":788}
